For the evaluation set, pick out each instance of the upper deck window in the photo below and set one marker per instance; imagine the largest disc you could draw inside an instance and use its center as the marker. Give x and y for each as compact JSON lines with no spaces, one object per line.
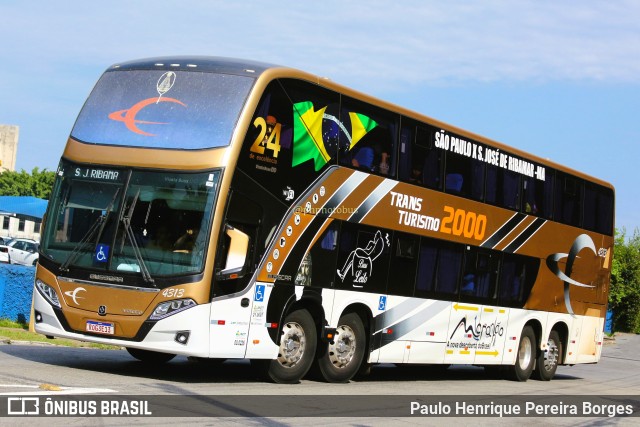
{"x":162,"y":109}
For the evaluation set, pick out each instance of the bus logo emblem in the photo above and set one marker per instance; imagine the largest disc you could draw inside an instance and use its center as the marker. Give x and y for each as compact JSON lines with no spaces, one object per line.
{"x":128,"y":115}
{"x":102,"y":310}
{"x":74,"y":294}
{"x":583,"y":241}
{"x":165,"y":83}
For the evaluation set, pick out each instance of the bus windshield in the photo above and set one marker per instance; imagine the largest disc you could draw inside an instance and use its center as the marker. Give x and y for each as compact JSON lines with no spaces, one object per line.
{"x":128,"y":220}
{"x":162,"y":109}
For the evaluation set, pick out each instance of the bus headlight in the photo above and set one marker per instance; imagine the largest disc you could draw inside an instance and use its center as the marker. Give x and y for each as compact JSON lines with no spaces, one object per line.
{"x":169,"y":308}
{"x":48,"y":293}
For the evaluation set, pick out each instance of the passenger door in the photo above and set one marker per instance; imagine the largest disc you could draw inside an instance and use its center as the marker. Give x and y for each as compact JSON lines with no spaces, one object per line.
{"x":233,"y":297}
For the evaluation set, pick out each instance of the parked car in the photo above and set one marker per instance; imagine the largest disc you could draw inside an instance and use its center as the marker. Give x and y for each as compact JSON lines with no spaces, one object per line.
{"x":20,"y":251}
{"x":4,"y":250}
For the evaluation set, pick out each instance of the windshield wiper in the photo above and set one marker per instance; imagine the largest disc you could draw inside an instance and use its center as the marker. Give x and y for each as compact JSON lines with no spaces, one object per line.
{"x":96,"y":228}
{"x":126,"y":220}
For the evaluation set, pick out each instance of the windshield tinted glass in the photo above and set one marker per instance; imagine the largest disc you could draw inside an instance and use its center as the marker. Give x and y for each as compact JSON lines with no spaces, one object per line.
{"x":162,"y":109}
{"x":130,"y":220}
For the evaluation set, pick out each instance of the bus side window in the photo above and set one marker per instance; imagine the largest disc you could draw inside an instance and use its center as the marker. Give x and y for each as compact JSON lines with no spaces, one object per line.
{"x":568,"y":203}
{"x":404,"y":263}
{"x":517,"y":276}
{"x":428,"y":162}
{"x":405,"y":166}
{"x":465,"y":175}
{"x":537,"y":196}
{"x":439,"y":268}
{"x":502,"y":188}
{"x":420,"y":161}
{"x":598,"y":208}
{"x":363,"y":258}
{"x":449,"y":267}
{"x":319,"y":265}
{"x":425,"y":281}
{"x":479,"y":275}
{"x":370,"y":144}
{"x":246,"y":215}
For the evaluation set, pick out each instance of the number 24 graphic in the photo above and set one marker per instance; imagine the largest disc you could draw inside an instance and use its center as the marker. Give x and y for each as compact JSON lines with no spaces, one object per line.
{"x":266,"y":141}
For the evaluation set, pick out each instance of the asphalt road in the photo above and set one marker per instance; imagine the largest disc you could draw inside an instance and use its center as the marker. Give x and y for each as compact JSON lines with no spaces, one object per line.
{"x":80,"y":371}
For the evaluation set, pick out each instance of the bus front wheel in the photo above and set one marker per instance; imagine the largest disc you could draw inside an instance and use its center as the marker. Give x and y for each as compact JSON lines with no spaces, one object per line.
{"x":344,"y":353}
{"x":297,"y":349}
{"x":150,"y":356}
{"x":526,"y":356}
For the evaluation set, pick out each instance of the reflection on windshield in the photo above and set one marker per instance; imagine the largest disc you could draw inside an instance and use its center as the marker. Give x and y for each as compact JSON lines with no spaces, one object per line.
{"x":159,"y":223}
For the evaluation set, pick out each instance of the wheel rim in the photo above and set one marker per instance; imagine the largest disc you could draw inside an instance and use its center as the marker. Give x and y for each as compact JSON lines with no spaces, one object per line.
{"x":524,"y":353}
{"x":292,"y":344}
{"x":551,"y":355}
{"x":342,"y":349}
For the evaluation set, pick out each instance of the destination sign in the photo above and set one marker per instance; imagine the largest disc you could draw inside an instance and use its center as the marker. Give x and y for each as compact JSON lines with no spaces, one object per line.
{"x":101,"y":174}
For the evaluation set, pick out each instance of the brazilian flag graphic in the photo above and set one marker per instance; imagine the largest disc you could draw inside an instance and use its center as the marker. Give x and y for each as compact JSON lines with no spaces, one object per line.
{"x":307,"y":133}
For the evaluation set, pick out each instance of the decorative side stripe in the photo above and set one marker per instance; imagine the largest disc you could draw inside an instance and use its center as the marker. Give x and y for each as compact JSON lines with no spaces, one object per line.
{"x":345,"y":189}
{"x":503,"y":231}
{"x":374,"y":198}
{"x":393,"y":315}
{"x":525,"y":235}
{"x":406,"y":326}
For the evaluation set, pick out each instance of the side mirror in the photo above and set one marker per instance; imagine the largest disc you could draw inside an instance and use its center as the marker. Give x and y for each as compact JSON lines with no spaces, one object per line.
{"x":236,"y":255}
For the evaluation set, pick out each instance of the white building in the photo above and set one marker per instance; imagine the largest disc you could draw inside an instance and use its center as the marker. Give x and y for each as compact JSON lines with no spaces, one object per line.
{"x":8,"y":147}
{"x":21,"y":216}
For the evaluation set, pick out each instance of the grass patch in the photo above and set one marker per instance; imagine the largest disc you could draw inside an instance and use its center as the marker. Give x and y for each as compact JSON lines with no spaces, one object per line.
{"x":11,"y":332}
{"x":6,"y":323}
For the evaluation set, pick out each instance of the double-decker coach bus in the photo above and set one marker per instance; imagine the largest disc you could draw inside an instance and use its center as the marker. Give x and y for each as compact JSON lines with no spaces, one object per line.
{"x":229,"y":209}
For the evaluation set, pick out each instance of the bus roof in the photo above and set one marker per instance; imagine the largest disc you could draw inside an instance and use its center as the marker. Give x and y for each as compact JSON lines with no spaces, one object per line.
{"x":209,"y":64}
{"x":255,"y":69}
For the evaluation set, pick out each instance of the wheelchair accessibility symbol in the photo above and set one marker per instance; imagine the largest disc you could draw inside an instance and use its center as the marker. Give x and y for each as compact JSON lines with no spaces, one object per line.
{"x":259,"y":296}
{"x":102,"y":253}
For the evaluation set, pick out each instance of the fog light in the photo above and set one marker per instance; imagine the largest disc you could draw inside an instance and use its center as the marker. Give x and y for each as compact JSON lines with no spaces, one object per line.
{"x":182,"y":337}
{"x":38,"y":317}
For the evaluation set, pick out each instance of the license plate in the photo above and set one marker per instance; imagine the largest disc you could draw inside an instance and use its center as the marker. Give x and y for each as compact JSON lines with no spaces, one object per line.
{"x":101,"y":327}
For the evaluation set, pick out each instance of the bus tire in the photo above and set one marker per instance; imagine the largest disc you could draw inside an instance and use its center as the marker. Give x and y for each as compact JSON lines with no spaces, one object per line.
{"x":548,"y":360}
{"x":297,"y":349}
{"x":525,"y":357}
{"x":150,"y":356}
{"x":343,"y":356}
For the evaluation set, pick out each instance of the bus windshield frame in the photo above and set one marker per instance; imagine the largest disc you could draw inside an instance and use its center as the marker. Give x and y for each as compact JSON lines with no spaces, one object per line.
{"x":117,"y":220}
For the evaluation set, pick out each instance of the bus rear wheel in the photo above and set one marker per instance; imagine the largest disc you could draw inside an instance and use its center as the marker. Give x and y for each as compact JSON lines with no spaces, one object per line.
{"x":525,"y":357}
{"x":298,"y":340}
{"x":150,"y":356}
{"x":342,"y":359}
{"x":549,"y":359}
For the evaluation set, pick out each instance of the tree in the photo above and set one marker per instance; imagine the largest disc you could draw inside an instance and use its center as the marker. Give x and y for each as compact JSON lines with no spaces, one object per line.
{"x":624,"y":292}
{"x":37,"y":184}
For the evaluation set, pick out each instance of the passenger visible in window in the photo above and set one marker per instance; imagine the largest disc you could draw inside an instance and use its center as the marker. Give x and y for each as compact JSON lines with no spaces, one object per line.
{"x":363,"y":158}
{"x":185,"y":242}
{"x":531,"y":208}
{"x":468,"y":285}
{"x":384,"y":164}
{"x":453,"y":182}
{"x":416,"y":173}
{"x":383,"y":149}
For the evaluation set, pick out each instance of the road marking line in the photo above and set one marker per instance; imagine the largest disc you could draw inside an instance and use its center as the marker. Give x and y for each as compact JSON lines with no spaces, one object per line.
{"x":63,"y":390}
